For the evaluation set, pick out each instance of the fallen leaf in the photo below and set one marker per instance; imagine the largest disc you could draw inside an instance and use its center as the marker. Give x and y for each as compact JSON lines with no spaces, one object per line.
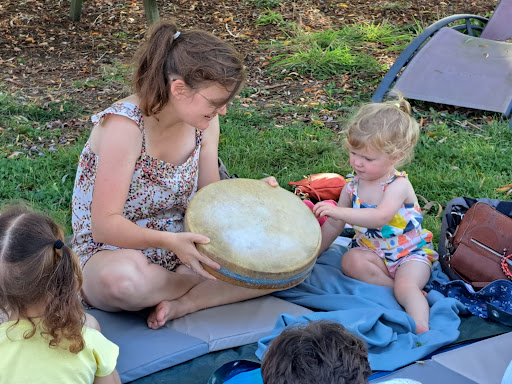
{"x":504,"y":188}
{"x":14,"y":154}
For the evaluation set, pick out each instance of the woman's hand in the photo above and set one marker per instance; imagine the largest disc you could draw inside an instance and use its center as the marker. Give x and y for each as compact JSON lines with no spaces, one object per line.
{"x":270,"y":180}
{"x":184,"y":246}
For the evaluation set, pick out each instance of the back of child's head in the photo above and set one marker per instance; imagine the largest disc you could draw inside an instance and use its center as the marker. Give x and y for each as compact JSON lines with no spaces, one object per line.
{"x":386,"y":127}
{"x":196,"y":56}
{"x":38,"y":270}
{"x":319,"y":352}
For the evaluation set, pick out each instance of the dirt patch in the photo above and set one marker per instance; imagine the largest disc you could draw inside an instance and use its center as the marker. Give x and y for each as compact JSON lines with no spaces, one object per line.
{"x":46,"y":57}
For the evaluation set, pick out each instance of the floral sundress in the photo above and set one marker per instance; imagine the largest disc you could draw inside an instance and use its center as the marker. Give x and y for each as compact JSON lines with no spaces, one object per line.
{"x":400,"y":240}
{"x":158,"y":196}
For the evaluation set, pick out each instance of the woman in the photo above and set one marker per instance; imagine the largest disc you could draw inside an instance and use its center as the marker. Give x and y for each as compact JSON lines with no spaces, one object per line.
{"x":146,"y":157}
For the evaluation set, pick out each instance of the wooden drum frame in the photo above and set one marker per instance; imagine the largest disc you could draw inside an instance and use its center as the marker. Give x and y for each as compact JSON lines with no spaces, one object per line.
{"x":262,"y":237}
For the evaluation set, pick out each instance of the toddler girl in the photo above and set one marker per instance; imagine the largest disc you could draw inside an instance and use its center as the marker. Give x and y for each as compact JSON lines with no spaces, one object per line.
{"x":379,"y":202}
{"x":47,"y":336}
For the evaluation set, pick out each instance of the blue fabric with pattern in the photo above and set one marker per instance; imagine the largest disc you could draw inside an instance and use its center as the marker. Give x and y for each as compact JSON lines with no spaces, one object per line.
{"x":493,"y":301}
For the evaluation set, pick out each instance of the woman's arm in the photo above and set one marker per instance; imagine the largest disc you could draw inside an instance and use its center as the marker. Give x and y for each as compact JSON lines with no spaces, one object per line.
{"x":208,"y":158}
{"x":118,"y":144}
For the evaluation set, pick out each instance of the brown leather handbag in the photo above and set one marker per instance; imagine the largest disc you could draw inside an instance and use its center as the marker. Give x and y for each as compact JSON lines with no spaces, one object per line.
{"x":319,"y":186}
{"x":478,"y":246}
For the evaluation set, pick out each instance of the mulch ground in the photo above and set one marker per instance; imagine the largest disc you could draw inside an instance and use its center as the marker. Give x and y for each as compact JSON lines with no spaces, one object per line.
{"x":44,"y":55}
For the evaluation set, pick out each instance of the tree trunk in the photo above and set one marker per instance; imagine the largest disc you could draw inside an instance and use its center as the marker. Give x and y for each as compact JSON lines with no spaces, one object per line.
{"x":151,"y":10}
{"x":76,"y":10}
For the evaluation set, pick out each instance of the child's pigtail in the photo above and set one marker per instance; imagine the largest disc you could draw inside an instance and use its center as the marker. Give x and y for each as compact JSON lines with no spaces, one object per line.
{"x":64,"y":317}
{"x":397,"y":99}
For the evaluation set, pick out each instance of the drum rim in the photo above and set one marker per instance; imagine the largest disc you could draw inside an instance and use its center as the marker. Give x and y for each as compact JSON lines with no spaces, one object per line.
{"x":247,"y":274}
{"x":261,"y":283}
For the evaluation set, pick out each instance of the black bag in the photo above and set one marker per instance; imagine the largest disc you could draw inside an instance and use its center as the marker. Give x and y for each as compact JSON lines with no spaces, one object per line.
{"x":224,"y":173}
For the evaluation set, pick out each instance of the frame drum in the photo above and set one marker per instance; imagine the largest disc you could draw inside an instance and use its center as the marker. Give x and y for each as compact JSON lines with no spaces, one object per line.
{"x":262,"y":237}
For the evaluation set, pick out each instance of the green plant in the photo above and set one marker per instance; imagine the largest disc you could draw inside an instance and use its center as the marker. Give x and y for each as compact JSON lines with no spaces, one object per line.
{"x":28,"y":129}
{"x":324,"y":63}
{"x":266,"y":3}
{"x":120,"y":35}
{"x":112,"y":75}
{"x":116,"y":72}
{"x":270,"y":17}
{"x":331,"y":52}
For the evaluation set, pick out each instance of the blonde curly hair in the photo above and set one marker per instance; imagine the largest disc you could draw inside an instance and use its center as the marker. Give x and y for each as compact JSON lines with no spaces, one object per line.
{"x":386,"y":127}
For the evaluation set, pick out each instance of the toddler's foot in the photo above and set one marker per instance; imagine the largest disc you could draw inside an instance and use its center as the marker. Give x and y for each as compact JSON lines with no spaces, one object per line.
{"x":421,"y":329}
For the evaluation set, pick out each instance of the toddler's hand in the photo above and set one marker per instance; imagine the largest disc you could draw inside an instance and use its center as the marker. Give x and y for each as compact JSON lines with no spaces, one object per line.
{"x":321,"y":220}
{"x":185,"y":248}
{"x":328,"y":209}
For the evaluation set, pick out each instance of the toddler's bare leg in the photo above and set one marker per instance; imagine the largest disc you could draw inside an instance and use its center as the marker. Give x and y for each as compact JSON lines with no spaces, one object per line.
{"x":410,"y":278}
{"x":364,"y":265}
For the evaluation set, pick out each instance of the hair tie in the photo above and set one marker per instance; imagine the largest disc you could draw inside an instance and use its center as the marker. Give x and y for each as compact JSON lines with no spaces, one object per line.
{"x":176,"y":35}
{"x":58,"y":244}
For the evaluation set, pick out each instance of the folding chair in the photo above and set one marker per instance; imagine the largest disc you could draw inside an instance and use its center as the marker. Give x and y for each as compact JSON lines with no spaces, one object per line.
{"x":468,"y":64}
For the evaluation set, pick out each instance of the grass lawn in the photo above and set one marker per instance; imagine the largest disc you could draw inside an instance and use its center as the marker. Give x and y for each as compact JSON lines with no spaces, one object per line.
{"x":454,"y":157}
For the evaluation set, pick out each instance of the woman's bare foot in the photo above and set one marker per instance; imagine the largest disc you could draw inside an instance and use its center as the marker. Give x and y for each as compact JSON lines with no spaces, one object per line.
{"x":166,"y":311}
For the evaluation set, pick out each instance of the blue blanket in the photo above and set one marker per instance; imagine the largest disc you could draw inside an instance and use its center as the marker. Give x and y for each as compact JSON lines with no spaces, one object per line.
{"x":371,"y":312}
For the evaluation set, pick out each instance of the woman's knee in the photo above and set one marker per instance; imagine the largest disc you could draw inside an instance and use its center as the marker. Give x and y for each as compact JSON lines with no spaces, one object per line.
{"x":113,"y":281}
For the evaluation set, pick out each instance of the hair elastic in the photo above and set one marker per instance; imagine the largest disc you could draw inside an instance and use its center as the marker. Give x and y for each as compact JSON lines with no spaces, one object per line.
{"x":176,"y":35}
{"x":58,"y":244}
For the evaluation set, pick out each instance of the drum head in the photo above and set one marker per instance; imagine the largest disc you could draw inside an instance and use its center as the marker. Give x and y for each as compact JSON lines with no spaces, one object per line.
{"x":262,"y":237}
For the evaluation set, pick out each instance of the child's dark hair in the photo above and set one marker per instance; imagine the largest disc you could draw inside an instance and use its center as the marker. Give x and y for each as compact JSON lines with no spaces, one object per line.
{"x":317,"y":352}
{"x":198,"y":57}
{"x":36,"y":267}
{"x":385,"y":127}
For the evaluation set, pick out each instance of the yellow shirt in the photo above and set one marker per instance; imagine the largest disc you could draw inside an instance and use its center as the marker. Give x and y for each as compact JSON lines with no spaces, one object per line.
{"x":34,"y":361}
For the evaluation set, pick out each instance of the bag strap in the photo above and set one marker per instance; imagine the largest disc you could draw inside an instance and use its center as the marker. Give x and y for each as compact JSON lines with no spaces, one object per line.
{"x":305,"y":195}
{"x":430,"y":204}
{"x":313,"y":189}
{"x":505,"y":266}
